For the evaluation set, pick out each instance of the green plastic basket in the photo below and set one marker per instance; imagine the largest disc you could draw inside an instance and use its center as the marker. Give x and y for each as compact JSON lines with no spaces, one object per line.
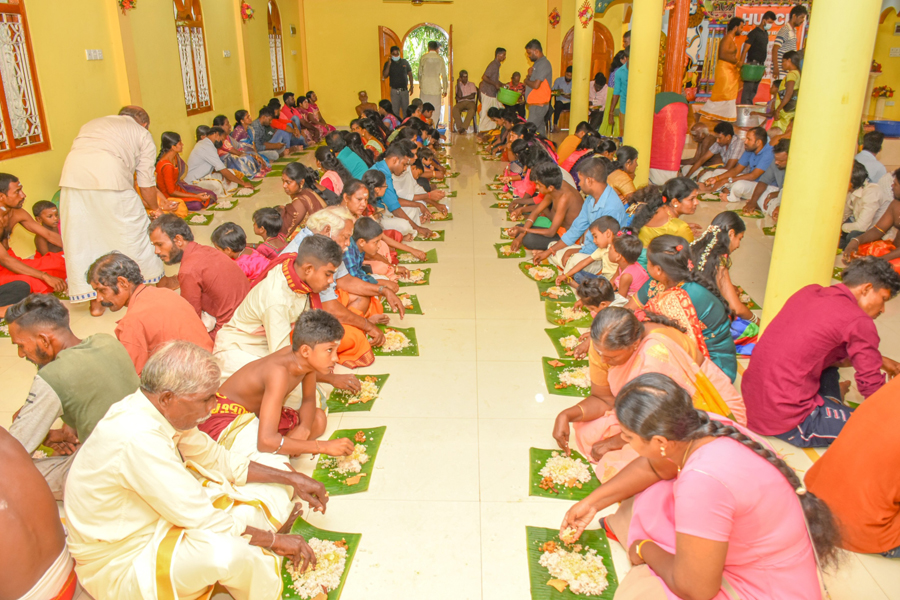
{"x":753,"y":72}
{"x":507,"y":97}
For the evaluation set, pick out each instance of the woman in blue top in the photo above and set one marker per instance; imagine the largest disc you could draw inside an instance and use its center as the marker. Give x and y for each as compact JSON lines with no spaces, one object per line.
{"x":676,"y":291}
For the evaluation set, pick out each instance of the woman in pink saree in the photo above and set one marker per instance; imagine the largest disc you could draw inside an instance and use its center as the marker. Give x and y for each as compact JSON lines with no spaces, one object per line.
{"x":708,"y":510}
{"x":311,"y":110}
{"x":624,"y":348}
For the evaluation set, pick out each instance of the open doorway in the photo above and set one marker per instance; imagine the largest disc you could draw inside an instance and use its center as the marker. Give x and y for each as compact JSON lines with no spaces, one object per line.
{"x":602,"y":50}
{"x":415,"y":45}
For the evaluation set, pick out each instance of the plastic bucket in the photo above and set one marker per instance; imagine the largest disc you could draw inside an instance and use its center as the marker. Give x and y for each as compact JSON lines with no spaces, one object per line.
{"x":753,"y":72}
{"x":507,"y":97}
{"x":888,"y":128}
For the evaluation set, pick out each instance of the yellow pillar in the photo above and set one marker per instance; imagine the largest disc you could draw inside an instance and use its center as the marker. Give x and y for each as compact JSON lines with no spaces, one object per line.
{"x":822,"y":148}
{"x":582,"y":42}
{"x":646,"y":26}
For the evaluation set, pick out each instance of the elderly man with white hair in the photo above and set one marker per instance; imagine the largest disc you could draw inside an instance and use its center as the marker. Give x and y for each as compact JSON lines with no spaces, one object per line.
{"x":157,"y":509}
{"x":355,"y":303}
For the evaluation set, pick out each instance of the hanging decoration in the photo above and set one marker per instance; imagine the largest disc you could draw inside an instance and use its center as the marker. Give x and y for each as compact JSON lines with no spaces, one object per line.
{"x":585,"y":14}
{"x":246,"y":11}
{"x":554,"y":18}
{"x":126,"y":5}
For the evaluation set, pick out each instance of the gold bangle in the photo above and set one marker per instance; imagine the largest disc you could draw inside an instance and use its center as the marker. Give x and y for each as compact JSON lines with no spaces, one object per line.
{"x":581,"y":408}
{"x":639,"y":546}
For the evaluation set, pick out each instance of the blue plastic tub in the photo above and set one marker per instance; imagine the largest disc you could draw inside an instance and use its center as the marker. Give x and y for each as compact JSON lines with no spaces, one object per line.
{"x":888,"y":128}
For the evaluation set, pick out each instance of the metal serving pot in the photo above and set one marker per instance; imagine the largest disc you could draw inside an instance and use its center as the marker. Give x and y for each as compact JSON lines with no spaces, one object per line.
{"x":750,"y":115}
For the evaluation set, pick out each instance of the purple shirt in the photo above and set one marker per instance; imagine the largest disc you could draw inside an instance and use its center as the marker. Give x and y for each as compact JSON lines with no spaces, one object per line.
{"x":818,"y":327}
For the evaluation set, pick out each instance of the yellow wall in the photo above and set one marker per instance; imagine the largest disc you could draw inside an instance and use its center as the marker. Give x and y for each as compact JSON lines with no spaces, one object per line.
{"x":344,"y":58}
{"x":891,"y":66}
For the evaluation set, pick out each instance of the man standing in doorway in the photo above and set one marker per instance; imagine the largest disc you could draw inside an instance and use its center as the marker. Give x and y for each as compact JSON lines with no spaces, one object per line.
{"x":564,"y":100}
{"x":786,"y":41}
{"x":433,"y":84}
{"x":538,"y":82}
{"x":399,"y":73}
{"x":490,"y":83}
{"x":755,"y":53}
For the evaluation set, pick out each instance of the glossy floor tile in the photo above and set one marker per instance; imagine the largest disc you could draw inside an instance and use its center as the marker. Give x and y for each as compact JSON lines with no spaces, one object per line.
{"x":447,"y":506}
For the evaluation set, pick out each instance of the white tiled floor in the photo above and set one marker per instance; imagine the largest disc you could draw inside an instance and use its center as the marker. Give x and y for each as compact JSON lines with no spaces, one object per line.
{"x":446,"y":512}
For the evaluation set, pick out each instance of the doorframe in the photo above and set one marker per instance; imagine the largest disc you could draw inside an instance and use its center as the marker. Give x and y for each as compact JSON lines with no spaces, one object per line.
{"x":450,"y":74}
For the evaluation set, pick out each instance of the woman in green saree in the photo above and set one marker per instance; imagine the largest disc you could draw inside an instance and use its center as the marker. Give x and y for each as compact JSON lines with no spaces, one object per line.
{"x":679,"y":293}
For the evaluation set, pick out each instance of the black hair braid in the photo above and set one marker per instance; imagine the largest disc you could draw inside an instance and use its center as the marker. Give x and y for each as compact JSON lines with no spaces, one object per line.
{"x":646,"y":211}
{"x":696,"y":277}
{"x":652,"y":317}
{"x":823,"y":527}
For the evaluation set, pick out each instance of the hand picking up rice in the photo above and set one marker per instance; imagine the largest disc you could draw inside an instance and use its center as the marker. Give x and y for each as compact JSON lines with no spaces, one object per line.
{"x":415,"y":276}
{"x":346,"y":465}
{"x":331,"y":560}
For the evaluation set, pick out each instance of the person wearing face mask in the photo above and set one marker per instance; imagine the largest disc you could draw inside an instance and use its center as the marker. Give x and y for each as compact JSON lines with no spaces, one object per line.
{"x":118,"y":282}
{"x":65,"y":386}
{"x":156,"y":509}
{"x":756,"y":159}
{"x":792,"y":387}
{"x":205,"y":169}
{"x":754,"y":52}
{"x":400,"y":75}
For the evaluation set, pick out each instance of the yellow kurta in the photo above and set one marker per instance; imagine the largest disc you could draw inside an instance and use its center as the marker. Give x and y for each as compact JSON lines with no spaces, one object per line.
{"x":144,"y":500}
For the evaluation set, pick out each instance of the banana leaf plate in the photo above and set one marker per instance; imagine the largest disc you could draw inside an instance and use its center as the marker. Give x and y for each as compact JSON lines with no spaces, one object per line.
{"x":568,"y":294}
{"x":415,"y":309}
{"x":194,"y":219}
{"x":496,"y":187}
{"x":503,"y":234}
{"x":554,"y":318}
{"x":438,"y":217}
{"x":424,"y":281}
{"x":552,"y":373}
{"x":838,"y":274}
{"x":430,"y":258}
{"x":451,"y":194}
{"x":4,"y":329}
{"x":504,"y":196}
{"x":709,"y":198}
{"x":769,"y":230}
{"x":539,"y":576}
{"x":303,"y":528}
{"x":500,"y":253}
{"x":756,"y":214}
{"x":502,"y":204}
{"x":746,"y":299}
{"x":556,"y":334}
{"x":411,"y":350}
{"x":227,"y":204}
{"x":439,"y":238}
{"x":336,"y":483}
{"x":539,"y":458}
{"x":346,"y":401}
{"x":525,"y":266}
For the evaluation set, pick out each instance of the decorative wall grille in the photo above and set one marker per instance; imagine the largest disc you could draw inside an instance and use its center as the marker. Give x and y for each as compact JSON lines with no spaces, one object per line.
{"x":22,"y":126}
{"x":276,"y":51}
{"x":192,"y":53}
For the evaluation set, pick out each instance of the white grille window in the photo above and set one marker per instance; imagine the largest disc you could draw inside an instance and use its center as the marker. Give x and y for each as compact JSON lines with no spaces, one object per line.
{"x":192,"y":52}
{"x":23,"y":129}
{"x":276,"y":53}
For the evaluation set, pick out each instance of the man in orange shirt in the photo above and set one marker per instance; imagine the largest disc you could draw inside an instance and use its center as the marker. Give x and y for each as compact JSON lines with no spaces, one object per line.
{"x":155,"y":315}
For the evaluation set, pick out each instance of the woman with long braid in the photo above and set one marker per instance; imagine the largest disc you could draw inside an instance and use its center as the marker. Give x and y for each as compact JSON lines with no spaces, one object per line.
{"x":681,"y":294}
{"x":660,"y":209}
{"x":622,"y":348}
{"x":715,"y":512}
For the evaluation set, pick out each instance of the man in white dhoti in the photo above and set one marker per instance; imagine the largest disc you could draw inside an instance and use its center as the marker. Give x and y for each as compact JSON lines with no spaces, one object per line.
{"x":156,"y":509}
{"x":100,"y":210}
{"x":490,"y":85}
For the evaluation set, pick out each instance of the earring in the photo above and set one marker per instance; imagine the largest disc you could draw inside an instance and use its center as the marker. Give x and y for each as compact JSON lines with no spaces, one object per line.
{"x":662,"y":450}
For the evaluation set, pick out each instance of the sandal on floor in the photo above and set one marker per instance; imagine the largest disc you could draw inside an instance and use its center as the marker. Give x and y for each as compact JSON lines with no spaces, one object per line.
{"x":608,"y":530}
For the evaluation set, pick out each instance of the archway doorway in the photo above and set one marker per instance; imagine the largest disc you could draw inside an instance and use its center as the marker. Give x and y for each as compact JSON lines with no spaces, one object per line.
{"x":602,"y":50}
{"x":415,"y":45}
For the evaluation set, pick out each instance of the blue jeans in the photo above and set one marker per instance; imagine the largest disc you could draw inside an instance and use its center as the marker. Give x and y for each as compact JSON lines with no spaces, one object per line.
{"x":283,"y":137}
{"x":825,"y":422}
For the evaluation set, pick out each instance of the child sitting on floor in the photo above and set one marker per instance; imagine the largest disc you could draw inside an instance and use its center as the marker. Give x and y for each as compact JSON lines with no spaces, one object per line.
{"x":46,"y":213}
{"x":368,"y":241}
{"x":594,"y":295}
{"x":267,"y":225}
{"x":230,"y":239}
{"x":250,"y":415}
{"x":603,"y":230}
{"x":433,"y":167}
{"x":625,"y":250}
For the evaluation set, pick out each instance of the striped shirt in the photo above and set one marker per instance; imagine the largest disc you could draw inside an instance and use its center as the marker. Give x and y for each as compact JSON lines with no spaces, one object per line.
{"x":787,"y":38}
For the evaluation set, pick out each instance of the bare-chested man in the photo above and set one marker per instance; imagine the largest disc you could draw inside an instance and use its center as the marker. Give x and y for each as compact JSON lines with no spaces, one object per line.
{"x":34,"y":559}
{"x":261,"y":387}
{"x":704,"y":140}
{"x":43,"y":274}
{"x":561,"y":203}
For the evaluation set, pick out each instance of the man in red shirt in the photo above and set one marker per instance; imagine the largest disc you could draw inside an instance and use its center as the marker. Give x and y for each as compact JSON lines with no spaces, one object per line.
{"x":155,"y":315}
{"x":213,"y":283}
{"x":792,"y":388}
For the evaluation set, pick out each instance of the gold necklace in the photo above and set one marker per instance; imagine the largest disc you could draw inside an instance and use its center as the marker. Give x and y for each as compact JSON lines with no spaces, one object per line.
{"x":684,"y":458}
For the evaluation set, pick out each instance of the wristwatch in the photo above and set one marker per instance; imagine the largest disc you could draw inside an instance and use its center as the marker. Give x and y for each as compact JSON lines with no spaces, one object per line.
{"x":381,"y":290}
{"x":731,"y":180}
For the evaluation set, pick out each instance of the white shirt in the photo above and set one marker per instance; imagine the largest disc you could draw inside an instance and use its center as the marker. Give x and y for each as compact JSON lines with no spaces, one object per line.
{"x":263,"y":322}
{"x":432,"y":75}
{"x":107,"y":153}
{"x":862,"y":205}
{"x":567,"y":177}
{"x":204,"y":159}
{"x":129,"y":483}
{"x":406,"y":186}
